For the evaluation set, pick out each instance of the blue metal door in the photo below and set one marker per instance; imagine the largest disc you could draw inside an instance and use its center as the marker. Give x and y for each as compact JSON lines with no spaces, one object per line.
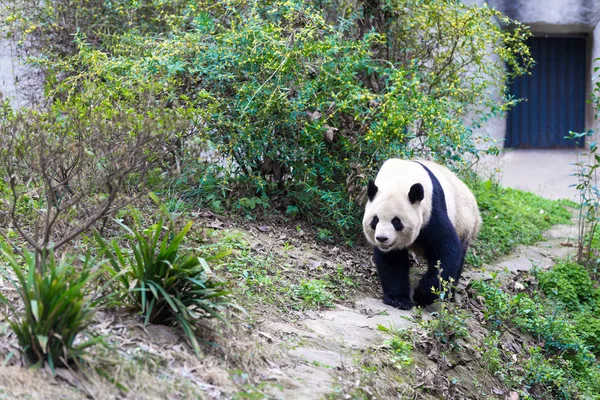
{"x":553,"y":95}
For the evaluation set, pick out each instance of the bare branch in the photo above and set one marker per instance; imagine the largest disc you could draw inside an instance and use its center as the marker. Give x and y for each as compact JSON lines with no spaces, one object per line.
{"x":14,"y":217}
{"x":77,"y":166}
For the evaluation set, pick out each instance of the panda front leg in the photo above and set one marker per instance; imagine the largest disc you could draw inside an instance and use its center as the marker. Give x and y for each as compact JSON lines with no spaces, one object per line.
{"x":445,"y":262}
{"x":393,"y":267}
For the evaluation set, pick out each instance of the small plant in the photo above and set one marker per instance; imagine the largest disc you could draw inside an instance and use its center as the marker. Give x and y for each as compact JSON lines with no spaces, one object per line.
{"x":325,"y":235}
{"x":401,"y":348}
{"x":250,"y":203}
{"x":165,"y":284}
{"x":57,"y":310}
{"x":589,"y":202}
{"x":292,"y":211}
{"x":314,"y":294}
{"x":571,"y":286}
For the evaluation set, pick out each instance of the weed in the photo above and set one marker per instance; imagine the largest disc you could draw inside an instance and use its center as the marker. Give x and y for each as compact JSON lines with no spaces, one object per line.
{"x":401,"y":349}
{"x":313,"y":294}
{"x":570,"y":285}
{"x":249,"y":204}
{"x":324,"y":235}
{"x":165,"y":285}
{"x":292,"y":211}
{"x":57,"y":310}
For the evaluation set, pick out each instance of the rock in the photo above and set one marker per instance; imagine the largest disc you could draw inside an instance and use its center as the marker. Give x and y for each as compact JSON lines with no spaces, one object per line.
{"x":356,"y":330}
{"x":324,"y":358}
{"x":304,"y":382}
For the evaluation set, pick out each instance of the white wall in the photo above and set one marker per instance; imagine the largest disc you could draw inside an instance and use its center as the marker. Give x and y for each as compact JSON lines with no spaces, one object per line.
{"x":591,"y":122}
{"x":11,"y":74}
{"x":7,"y":73}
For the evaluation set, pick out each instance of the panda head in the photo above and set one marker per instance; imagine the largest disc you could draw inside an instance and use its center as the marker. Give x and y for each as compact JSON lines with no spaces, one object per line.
{"x":394,"y":214}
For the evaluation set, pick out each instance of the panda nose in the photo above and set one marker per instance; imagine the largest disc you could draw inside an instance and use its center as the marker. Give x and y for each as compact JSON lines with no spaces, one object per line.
{"x":381,"y":239}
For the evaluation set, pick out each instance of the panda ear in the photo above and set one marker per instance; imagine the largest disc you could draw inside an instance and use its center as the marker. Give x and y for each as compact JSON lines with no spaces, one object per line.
{"x":416,"y":193}
{"x":371,"y":190}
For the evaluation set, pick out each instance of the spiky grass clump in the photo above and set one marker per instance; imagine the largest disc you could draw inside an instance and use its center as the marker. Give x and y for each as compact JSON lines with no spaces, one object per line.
{"x":165,"y":284}
{"x":57,"y":308}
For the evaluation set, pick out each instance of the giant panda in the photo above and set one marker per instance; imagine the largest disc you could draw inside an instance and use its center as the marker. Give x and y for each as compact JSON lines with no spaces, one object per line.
{"x":423,"y":207}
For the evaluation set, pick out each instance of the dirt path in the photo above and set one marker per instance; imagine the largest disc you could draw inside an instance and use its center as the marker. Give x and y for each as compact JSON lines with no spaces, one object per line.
{"x":326,"y":341}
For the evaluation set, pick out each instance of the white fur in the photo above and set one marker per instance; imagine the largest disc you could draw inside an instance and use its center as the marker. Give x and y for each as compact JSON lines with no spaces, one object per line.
{"x":394,"y":180}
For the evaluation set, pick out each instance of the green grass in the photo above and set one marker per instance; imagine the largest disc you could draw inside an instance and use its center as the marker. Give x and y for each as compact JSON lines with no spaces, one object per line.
{"x":511,"y":217}
{"x":570,"y":287}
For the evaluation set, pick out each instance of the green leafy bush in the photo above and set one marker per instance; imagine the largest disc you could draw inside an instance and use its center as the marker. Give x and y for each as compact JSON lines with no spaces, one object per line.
{"x":57,"y":307}
{"x":167,"y":285}
{"x":298,"y":100}
{"x":570,"y":284}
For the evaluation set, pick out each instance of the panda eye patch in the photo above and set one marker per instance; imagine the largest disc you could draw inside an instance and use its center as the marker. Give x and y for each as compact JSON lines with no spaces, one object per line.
{"x":397,"y":224}
{"x":374,"y":222}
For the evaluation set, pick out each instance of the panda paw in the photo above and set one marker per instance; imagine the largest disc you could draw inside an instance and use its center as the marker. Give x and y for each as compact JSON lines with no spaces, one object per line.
{"x":401,"y":302}
{"x":423,"y":296}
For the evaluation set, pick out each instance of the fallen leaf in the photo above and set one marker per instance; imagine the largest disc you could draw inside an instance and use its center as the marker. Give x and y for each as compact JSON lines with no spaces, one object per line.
{"x":266,"y":335}
{"x":314,"y":115}
{"x":330,"y":133}
{"x":512,"y":396}
{"x":67,"y":376}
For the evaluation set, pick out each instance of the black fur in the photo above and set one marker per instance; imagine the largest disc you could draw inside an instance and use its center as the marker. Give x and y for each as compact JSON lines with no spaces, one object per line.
{"x":371,"y":190}
{"x":374,"y":222}
{"x":393,"y":273}
{"x":440,"y":242}
{"x":416,"y":193}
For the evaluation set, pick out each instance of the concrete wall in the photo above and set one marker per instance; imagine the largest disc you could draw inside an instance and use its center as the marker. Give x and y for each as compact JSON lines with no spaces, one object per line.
{"x":561,"y":17}
{"x":553,"y":17}
{"x":9,"y":72}
{"x":594,"y":76}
